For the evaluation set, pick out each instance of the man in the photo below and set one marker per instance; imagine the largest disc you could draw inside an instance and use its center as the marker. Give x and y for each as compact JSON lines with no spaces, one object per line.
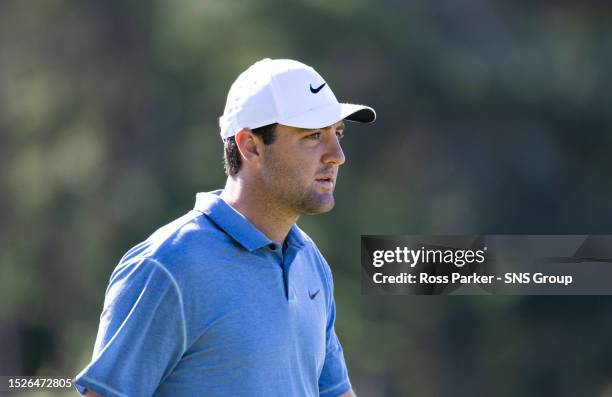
{"x":233,"y":299}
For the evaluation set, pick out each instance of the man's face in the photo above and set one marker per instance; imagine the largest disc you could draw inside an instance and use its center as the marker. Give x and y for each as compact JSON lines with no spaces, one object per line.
{"x":299,"y":169}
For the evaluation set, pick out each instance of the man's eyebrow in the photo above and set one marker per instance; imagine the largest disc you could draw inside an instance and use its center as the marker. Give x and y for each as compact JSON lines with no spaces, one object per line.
{"x":341,"y":126}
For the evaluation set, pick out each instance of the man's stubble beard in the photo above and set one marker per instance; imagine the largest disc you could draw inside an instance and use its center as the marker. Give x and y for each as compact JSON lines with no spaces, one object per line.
{"x":285,"y":191}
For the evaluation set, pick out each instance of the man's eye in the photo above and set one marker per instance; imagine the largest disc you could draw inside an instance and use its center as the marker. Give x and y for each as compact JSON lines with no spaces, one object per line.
{"x":315,"y":137}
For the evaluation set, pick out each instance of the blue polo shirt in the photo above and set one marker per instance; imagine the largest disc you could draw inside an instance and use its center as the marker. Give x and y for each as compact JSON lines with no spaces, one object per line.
{"x":209,"y":306}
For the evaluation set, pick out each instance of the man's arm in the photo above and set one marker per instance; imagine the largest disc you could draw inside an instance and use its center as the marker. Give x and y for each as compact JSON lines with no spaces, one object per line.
{"x":142,"y":312}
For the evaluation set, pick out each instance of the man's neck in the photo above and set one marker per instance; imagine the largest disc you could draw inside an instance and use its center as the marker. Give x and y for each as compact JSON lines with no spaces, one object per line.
{"x":259,"y":209}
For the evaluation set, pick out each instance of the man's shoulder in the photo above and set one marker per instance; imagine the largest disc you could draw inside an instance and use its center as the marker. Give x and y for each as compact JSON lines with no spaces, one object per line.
{"x":178,"y":245}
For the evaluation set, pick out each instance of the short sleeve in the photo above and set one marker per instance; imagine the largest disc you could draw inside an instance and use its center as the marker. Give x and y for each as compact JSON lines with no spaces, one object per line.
{"x":334,"y":379}
{"x":141,"y":336}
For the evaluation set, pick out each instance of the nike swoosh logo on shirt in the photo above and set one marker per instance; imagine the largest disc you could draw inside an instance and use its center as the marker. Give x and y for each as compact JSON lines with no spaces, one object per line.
{"x":312,"y":296}
{"x":315,"y":90}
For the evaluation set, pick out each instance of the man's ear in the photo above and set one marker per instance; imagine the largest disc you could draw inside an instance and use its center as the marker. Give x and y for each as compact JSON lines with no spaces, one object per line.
{"x":249,"y":145}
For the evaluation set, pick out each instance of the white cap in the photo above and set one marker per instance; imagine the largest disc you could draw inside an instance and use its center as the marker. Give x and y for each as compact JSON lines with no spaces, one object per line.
{"x":286,"y":92}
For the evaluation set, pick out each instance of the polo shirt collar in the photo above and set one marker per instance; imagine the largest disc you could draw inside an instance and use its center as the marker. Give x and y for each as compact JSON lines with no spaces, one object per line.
{"x":232,"y":221}
{"x":295,"y":238}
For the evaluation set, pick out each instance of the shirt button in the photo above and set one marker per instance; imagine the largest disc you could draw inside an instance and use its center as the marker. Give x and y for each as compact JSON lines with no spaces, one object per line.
{"x":273,"y":246}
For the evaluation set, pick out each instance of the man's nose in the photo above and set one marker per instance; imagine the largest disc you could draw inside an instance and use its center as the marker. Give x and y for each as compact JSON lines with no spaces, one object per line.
{"x":334,"y":154}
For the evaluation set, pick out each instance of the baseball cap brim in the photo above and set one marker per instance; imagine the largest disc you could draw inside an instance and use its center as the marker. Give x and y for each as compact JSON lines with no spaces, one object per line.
{"x":328,"y":115}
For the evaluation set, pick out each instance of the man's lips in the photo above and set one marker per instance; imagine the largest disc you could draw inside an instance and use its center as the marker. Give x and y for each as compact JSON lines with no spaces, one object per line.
{"x":326,"y":180}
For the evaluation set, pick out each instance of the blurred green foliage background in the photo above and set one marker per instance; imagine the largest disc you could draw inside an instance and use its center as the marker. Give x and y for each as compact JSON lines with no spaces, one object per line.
{"x":494,"y":117}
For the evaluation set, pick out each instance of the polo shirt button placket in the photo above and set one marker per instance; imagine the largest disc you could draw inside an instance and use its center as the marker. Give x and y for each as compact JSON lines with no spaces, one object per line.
{"x":278,"y":253}
{"x":287,"y":263}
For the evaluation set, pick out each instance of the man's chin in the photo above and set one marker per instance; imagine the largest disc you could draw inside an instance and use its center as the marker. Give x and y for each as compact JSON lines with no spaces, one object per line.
{"x":320,"y":210}
{"x":320,"y":205}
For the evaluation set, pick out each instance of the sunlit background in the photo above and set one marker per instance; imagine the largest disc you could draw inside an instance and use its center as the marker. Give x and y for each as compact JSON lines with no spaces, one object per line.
{"x":493,"y":117}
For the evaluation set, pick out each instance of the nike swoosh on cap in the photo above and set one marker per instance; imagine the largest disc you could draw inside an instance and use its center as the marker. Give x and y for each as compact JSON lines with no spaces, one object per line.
{"x":315,"y":90}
